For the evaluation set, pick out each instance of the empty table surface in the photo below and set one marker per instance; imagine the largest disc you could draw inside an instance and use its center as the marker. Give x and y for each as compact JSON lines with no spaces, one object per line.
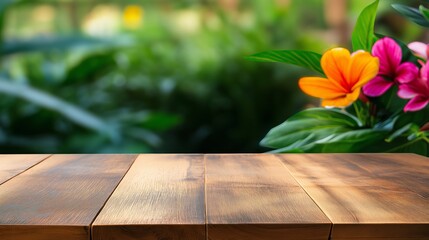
{"x":214,"y":196}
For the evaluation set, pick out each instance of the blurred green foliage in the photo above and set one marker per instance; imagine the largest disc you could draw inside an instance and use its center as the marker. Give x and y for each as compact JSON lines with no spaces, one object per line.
{"x":176,"y":82}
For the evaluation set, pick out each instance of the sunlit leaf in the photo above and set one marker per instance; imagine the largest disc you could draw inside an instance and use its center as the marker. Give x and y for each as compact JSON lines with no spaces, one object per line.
{"x":363,"y":33}
{"x":309,"y":126}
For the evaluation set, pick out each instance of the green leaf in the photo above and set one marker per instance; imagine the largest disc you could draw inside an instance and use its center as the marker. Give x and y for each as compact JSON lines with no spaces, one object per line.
{"x":306,"y":59}
{"x":68,"y":110}
{"x":363,"y":33}
{"x":309,"y":126}
{"x":361,"y":140}
{"x":410,"y":128}
{"x":424,"y":11}
{"x":389,"y":104}
{"x":419,"y":118}
{"x":412,"y":13}
{"x":404,"y":145}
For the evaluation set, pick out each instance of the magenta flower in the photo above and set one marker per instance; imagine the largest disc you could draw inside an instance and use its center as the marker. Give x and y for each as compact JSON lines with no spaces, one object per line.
{"x":416,"y":90}
{"x":392,"y":71}
{"x":419,"y":49}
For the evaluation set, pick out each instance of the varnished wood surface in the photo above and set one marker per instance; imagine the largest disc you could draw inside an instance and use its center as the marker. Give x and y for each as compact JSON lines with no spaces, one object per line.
{"x":12,"y":165}
{"x":60,"y":197}
{"x":409,"y":170}
{"x":367,"y":196}
{"x":216,"y":197}
{"x":161,"y":197}
{"x":254,"y":197}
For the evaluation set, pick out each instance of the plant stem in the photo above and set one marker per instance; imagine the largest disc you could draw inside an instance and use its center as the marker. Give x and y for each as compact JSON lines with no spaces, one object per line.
{"x":359,"y":114}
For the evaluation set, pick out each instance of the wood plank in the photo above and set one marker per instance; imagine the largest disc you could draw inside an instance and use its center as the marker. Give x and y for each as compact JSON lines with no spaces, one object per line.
{"x":363,"y":194}
{"x":254,"y":197}
{"x":12,"y":165}
{"x":161,"y":197}
{"x":60,"y":197}
{"x":409,"y":170}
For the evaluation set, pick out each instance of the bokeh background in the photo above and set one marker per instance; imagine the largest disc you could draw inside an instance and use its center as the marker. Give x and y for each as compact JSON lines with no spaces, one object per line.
{"x":91,"y":76}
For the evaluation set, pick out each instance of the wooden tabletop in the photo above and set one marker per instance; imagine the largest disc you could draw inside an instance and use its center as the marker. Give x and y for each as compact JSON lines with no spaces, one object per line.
{"x":216,"y":197}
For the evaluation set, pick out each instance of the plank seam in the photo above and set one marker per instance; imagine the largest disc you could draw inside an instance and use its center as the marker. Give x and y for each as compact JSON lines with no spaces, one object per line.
{"x":25,"y":170}
{"x":91,"y":237}
{"x":284,"y":165}
{"x":331,"y":230}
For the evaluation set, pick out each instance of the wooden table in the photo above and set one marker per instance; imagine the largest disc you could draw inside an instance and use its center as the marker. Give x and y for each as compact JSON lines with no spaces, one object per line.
{"x":216,"y":197}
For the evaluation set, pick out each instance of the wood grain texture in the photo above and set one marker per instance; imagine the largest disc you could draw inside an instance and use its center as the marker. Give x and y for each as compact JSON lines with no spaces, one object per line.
{"x":161,"y":197}
{"x":60,"y":197}
{"x":254,"y":197}
{"x":12,"y":165}
{"x":409,"y":170}
{"x":367,"y":196}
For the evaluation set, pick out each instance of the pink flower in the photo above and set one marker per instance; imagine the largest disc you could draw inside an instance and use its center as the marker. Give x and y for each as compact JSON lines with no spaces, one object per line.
{"x":392,"y":71}
{"x":419,"y":49}
{"x":416,"y":90}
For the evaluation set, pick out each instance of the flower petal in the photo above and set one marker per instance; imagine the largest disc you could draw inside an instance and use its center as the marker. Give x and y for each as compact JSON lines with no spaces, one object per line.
{"x":319,"y":87}
{"x":419,"y":49}
{"x":377,"y":86}
{"x":334,"y":63}
{"x":362,"y":68}
{"x":406,"y":72}
{"x":406,"y":91}
{"x":390,"y":55}
{"x":416,"y":104}
{"x":424,"y":72}
{"x":343,"y":101}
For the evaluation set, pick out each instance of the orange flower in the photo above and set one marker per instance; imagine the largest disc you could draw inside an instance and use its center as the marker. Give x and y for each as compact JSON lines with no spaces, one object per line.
{"x":346,"y":74}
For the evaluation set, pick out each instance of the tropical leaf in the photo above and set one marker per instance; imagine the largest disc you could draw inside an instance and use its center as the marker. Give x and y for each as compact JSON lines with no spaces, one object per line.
{"x":360,"y":140}
{"x":309,"y":126}
{"x":306,"y":59}
{"x":68,"y":110}
{"x":412,"y":13}
{"x":363,"y":33}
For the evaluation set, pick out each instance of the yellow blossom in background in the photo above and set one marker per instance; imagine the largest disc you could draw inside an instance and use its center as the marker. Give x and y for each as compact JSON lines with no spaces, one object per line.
{"x":133,"y":16}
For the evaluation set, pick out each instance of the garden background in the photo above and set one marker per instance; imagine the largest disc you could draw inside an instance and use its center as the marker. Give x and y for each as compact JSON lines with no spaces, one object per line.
{"x":161,"y":76}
